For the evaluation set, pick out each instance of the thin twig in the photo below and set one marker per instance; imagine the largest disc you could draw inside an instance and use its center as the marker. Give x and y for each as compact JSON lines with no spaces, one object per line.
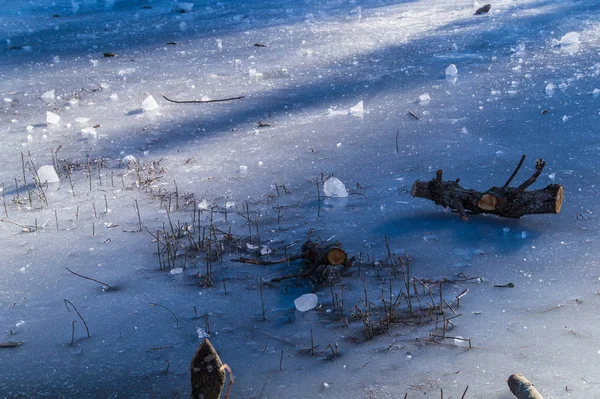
{"x":516,"y":171}
{"x":89,"y":278}
{"x":166,"y":308}
{"x":67,"y":303}
{"x":464,"y":393}
{"x":202,"y":101}
{"x":539,"y":166}
{"x":267,"y":262}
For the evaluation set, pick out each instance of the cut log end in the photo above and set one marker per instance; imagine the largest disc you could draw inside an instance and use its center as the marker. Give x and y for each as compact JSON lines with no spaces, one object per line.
{"x":336,"y":256}
{"x":560,"y":195}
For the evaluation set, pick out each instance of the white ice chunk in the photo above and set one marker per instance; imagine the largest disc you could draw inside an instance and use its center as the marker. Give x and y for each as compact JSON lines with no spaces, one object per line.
{"x":451,"y":70}
{"x":20,"y":323}
{"x":265,"y":250}
{"x":129,"y":159}
{"x":201,"y":333}
{"x":47,"y":173}
{"x":333,"y":187}
{"x":49,"y":95}
{"x":569,"y":39}
{"x":176,"y":270}
{"x":88,"y":131}
{"x":149,"y":104}
{"x":550,"y":88}
{"x":358,"y":108}
{"x":523,"y":234}
{"x":243,"y":169}
{"x":565,"y":118}
{"x":596,"y":93}
{"x":82,"y":120}
{"x":230,"y":204}
{"x":52,"y":118}
{"x":185,"y":7}
{"x":203,"y":205}
{"x":424,"y":98}
{"x":306,"y":302}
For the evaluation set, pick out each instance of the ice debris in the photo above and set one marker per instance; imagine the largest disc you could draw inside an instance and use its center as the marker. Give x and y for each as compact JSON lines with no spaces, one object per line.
{"x":306,"y":302}
{"x":149,"y":104}
{"x":451,"y":70}
{"x":424,"y":98}
{"x":49,"y":95}
{"x":358,"y":109}
{"x":333,"y":187}
{"x":46,"y":173}
{"x":52,"y":118}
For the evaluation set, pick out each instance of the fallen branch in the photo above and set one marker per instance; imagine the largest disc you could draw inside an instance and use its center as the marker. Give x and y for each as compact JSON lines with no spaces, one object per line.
{"x":505,"y":201}
{"x":267,"y":262}
{"x":202,"y":101}
{"x":89,"y":278}
{"x":11,"y":344}
{"x":522,"y":388}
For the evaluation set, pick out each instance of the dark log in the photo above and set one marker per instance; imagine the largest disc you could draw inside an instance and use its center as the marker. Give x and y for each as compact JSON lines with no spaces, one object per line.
{"x":207,"y":372}
{"x":483,"y":10}
{"x":331,"y":254}
{"x":509,"y":202}
{"x":522,"y":388}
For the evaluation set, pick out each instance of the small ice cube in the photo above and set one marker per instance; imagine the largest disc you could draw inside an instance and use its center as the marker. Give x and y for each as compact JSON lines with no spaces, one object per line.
{"x":565,"y":118}
{"x":552,"y":176}
{"x":550,"y":88}
{"x":230,"y":204}
{"x":333,"y":187}
{"x":88,"y":131}
{"x":20,"y":323}
{"x":596,"y":93}
{"x":451,"y":70}
{"x":49,"y":95}
{"x":338,"y":145}
{"x":563,"y":86}
{"x":464,"y":130}
{"x":202,"y":334}
{"x":114,"y":97}
{"x":46,"y":173}
{"x":358,"y":108}
{"x":306,"y":302}
{"x":82,"y":120}
{"x":129,"y":159}
{"x":149,"y":104}
{"x":177,"y":270}
{"x":52,"y":118}
{"x":94,"y":63}
{"x":265,"y":250}
{"x":243,"y":169}
{"x":424,"y":98}
{"x":203,"y":204}
{"x":523,"y":234}
{"x":569,"y":39}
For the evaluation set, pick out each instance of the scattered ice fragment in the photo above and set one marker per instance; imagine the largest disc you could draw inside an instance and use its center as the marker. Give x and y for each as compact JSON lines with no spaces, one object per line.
{"x":129,"y":159}
{"x":46,"y":173}
{"x":357,"y":109}
{"x":338,"y":145}
{"x":325,"y":385}
{"x":219,"y":44}
{"x":29,"y":137}
{"x":8,"y":100}
{"x":523,"y":234}
{"x":29,"y":128}
{"x":52,"y":118}
{"x":569,"y":39}
{"x":88,"y":131}
{"x":265,"y":250}
{"x":49,"y":95}
{"x":464,"y":130}
{"x":185,"y":7}
{"x":254,"y":73}
{"x":251,"y":247}
{"x":20,"y":323}
{"x":230,"y":204}
{"x":550,"y":88}
{"x":183,"y":26}
{"x":243,"y":169}
{"x":552,"y":176}
{"x":451,"y":70}
{"x":306,"y":302}
{"x":176,"y":270}
{"x":506,"y":229}
{"x":82,"y":120}
{"x":202,"y":334}
{"x":94,"y":63}
{"x":203,"y":204}
{"x":563,"y":86}
{"x":430,"y":237}
{"x":333,"y":187}
{"x":149,"y":104}
{"x":424,"y":98}
{"x":596,"y":93}
{"x":114,"y":97}
{"x":565,"y":118}
{"x":56,"y":59}
{"x":260,"y":163}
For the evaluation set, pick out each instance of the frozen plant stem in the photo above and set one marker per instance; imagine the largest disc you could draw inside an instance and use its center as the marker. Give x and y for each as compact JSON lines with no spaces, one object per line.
{"x":67,"y":303}
{"x":262,"y":302}
{"x":73,"y":332}
{"x":89,"y":278}
{"x":170,"y":311}
{"x":137,"y":209}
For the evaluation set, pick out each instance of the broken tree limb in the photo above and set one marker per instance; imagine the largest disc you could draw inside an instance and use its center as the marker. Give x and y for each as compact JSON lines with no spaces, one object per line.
{"x":505,"y":201}
{"x":267,"y":262}
{"x":522,"y":388}
{"x":202,"y":101}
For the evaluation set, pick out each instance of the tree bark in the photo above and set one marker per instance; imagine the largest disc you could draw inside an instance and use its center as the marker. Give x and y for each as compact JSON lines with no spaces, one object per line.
{"x":207,"y":373}
{"x":505,"y":201}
